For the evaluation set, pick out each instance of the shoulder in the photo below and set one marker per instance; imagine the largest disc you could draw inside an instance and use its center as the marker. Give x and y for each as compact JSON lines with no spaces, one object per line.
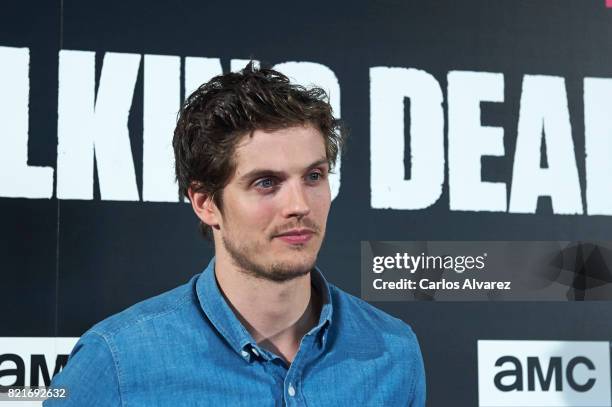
{"x":102,"y":362}
{"x":90,"y":376}
{"x":362,"y":329}
{"x":353,"y":314}
{"x":348,"y":306}
{"x":151,"y":311}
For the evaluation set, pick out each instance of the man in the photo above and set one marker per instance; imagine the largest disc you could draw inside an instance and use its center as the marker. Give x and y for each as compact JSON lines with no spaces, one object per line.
{"x":260,"y":326}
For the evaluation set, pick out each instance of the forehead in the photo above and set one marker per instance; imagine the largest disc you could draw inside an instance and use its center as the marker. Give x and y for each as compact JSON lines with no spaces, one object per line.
{"x":282,"y":150}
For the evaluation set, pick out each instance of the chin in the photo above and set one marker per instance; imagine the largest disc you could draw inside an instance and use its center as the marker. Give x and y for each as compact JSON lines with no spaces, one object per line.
{"x":294,"y":265}
{"x":298,"y":256}
{"x":298,"y":262}
{"x":273,"y":263}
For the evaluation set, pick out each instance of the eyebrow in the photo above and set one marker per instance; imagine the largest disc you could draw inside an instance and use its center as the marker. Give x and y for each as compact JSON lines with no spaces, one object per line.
{"x":258,"y":172}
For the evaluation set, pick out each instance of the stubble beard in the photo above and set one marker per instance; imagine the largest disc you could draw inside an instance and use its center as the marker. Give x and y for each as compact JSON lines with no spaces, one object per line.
{"x":244,"y":257}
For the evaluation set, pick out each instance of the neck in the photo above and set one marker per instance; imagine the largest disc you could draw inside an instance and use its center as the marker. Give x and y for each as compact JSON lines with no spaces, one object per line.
{"x":276,"y":314}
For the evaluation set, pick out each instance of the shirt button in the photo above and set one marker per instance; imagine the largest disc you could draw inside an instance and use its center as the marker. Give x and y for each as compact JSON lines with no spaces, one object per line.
{"x":245,"y":354}
{"x":255,"y":352}
{"x":291,"y":390}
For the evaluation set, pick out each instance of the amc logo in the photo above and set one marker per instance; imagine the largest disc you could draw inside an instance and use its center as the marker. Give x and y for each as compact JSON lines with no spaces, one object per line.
{"x":32,"y":361}
{"x":38,"y":368}
{"x":543,"y":373}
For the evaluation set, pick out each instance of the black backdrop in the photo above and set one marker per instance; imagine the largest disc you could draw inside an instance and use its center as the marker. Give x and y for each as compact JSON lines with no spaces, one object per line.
{"x":67,"y":264}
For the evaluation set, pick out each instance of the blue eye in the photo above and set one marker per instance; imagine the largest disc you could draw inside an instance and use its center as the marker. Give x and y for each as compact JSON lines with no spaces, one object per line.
{"x":265,"y":183}
{"x":315,"y":176}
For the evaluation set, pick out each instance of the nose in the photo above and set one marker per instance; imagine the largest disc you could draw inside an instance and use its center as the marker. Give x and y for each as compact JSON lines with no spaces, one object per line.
{"x":296,"y":204}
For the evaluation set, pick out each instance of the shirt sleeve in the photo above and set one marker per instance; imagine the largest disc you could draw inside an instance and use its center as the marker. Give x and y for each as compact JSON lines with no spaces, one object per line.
{"x":90,"y":376}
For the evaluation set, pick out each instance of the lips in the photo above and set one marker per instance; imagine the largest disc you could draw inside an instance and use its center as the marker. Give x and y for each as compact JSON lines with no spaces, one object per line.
{"x":296,"y":236}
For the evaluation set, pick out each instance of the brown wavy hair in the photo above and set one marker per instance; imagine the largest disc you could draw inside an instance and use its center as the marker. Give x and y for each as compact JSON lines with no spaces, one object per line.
{"x":217,"y":115}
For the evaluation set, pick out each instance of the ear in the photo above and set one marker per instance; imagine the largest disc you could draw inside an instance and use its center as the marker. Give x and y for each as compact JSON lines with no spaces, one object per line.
{"x":204,"y":207}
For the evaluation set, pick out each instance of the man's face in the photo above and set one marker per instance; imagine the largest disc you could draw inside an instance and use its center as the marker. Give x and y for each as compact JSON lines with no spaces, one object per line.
{"x":276,"y":204}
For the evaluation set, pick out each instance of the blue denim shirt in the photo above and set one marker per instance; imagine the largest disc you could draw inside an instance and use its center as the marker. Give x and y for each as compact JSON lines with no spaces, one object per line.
{"x":186,"y":347}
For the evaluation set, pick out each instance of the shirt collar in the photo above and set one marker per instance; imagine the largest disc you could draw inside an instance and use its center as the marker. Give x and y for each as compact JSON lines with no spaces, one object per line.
{"x":220,"y":314}
{"x":320,"y":284}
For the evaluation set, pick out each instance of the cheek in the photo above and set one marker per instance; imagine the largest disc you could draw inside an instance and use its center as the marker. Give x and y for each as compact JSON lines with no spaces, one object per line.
{"x":320,"y":200}
{"x":257,"y":213}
